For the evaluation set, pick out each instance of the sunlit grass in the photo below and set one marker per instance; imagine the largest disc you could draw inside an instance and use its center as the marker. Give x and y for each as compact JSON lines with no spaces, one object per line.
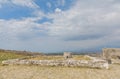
{"x":9,"y":55}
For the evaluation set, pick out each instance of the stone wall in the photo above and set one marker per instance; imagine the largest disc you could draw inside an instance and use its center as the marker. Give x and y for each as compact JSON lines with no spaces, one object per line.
{"x":70,"y":63}
{"x":67,"y":55}
{"x":109,"y":53}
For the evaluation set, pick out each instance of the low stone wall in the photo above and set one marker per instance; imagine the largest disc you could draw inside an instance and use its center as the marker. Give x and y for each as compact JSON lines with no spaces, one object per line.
{"x":115,"y":61}
{"x":70,"y":63}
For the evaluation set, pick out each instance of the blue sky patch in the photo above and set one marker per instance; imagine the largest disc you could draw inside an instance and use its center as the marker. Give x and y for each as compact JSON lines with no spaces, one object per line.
{"x":14,"y":12}
{"x":49,"y":6}
{"x":45,"y":19}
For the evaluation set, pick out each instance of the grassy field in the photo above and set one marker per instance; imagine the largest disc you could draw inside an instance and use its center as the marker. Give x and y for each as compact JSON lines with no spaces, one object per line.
{"x":38,"y":72}
{"x":9,"y":55}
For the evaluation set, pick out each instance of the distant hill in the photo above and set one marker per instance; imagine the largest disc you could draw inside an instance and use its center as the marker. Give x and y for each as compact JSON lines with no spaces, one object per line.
{"x":27,"y":53}
{"x":13,"y":54}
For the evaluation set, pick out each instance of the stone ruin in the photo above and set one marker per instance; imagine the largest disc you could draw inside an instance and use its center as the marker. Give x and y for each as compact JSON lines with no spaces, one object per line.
{"x":111,"y":54}
{"x":95,"y":62}
{"x":102,"y":64}
{"x":67,"y":55}
{"x":69,"y":62}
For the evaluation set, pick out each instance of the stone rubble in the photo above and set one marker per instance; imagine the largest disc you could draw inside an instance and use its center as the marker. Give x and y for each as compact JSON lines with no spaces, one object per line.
{"x":103,"y":64}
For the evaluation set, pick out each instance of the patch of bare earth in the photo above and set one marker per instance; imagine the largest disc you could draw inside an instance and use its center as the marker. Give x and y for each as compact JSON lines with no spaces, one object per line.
{"x":38,"y":72}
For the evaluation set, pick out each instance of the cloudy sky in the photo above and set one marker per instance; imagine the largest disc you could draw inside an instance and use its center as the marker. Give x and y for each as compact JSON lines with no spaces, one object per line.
{"x":59,"y":25}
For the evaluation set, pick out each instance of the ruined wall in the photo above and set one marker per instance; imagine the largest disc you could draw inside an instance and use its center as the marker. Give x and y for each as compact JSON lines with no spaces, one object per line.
{"x":70,"y":63}
{"x":67,"y":55}
{"x":109,"y":53}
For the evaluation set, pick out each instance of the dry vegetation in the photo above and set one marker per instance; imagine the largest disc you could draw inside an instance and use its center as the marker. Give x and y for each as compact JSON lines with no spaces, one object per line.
{"x":38,"y":72}
{"x":12,"y":54}
{"x":47,"y":58}
{"x":75,"y":57}
{"x":9,"y":55}
{"x":81,"y":57}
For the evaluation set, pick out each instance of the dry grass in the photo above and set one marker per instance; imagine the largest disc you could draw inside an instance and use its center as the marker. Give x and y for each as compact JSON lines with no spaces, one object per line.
{"x":47,"y":58}
{"x":75,"y":57}
{"x":81,"y":57}
{"x":9,"y":55}
{"x":37,"y":72}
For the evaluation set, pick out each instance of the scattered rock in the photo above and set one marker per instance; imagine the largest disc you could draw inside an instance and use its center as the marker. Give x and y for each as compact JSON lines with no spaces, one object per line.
{"x":70,"y":63}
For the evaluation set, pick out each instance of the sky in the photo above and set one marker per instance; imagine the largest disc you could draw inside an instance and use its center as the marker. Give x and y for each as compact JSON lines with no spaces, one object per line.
{"x":59,"y":25}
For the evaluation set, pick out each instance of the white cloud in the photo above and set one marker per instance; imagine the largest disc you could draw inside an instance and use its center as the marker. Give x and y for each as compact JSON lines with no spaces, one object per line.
{"x":85,"y":23}
{"x":26,"y":3}
{"x":17,"y":29}
{"x":58,"y":10}
{"x":49,"y":4}
{"x":61,"y":2}
{"x":3,"y":2}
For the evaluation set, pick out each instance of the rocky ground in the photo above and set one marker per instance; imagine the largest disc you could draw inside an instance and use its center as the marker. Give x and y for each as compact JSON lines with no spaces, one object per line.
{"x":83,"y":61}
{"x":38,"y":72}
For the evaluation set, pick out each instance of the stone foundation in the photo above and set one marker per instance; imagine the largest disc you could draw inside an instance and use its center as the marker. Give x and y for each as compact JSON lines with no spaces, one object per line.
{"x":69,"y":63}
